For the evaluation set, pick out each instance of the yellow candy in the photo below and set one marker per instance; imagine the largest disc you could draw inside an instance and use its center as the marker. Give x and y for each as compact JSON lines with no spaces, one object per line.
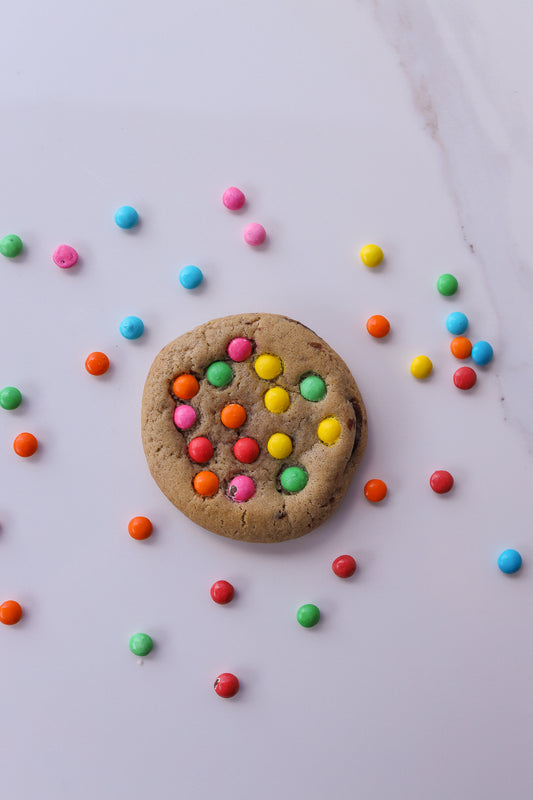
{"x":371,"y":255}
{"x":329,"y":430}
{"x":277,"y":400}
{"x":268,"y":366}
{"x":279,"y":445}
{"x":421,"y":367}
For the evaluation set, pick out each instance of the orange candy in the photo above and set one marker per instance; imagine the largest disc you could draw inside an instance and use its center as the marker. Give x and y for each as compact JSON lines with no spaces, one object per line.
{"x":140,"y":528}
{"x":375,"y":490}
{"x":97,"y":363}
{"x":233,"y":416}
{"x":10,"y":612}
{"x":461,"y":347}
{"x":185,"y":386}
{"x":378,"y":326}
{"x":25,"y":444}
{"x":206,"y":483}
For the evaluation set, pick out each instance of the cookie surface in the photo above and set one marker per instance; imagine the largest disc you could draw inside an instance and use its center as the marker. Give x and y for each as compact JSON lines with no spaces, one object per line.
{"x":291,"y":383}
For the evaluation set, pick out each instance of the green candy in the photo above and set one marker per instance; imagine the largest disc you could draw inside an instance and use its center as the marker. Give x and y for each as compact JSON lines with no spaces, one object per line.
{"x":11,"y":245}
{"x":308,"y":615}
{"x":447,"y":284}
{"x":313,"y":388}
{"x":10,"y":398}
{"x":219,"y":373}
{"x":141,"y":644}
{"x":294,"y":479}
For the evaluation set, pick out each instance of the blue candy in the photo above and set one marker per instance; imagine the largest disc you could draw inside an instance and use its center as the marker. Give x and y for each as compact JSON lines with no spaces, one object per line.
{"x":126,"y":217}
{"x":132,"y":327}
{"x":482,"y":353}
{"x":457,"y":322}
{"x":191,"y":277}
{"x":510,"y":561}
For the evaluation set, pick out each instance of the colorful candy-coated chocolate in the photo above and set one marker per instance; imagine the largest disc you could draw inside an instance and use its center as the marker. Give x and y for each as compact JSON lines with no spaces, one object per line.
{"x":25,"y":445}
{"x":10,"y":612}
{"x":464,"y":378}
{"x":308,"y":615}
{"x":10,"y":398}
{"x":482,"y":353}
{"x":268,"y":366}
{"x":184,"y":417}
{"x":329,"y":430}
{"x":277,"y":400}
{"x":510,"y":561}
{"x":190,"y":277}
{"x":11,"y":245}
{"x":313,"y":388}
{"x":185,"y":386}
{"x":421,"y":367}
{"x":441,"y":481}
{"x":279,"y":445}
{"x":457,"y":323}
{"x":132,"y":327}
{"x":378,"y":326}
{"x":222,"y":592}
{"x":206,"y":483}
{"x":375,"y":490}
{"x":294,"y":479}
{"x":97,"y":363}
{"x":239,"y":349}
{"x":226,"y":685}
{"x":233,"y":416}
{"x":233,"y":198}
{"x":371,"y":255}
{"x":447,"y":284}
{"x":140,"y":528}
{"x":65,"y":256}
{"x":254,"y":234}
{"x":219,"y":374}
{"x":126,"y":217}
{"x":461,"y":347}
{"x":246,"y":450}
{"x":241,"y":489}
{"x":344,"y":566}
{"x":141,"y":644}
{"x":200,"y":449}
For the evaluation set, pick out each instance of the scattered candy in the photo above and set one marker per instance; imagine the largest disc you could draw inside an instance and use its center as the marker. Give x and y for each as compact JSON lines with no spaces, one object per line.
{"x":11,"y":245}
{"x":294,"y":479}
{"x":344,"y":566}
{"x":482,"y":353}
{"x":140,"y":528}
{"x":456,"y":323}
{"x":464,"y":378}
{"x":246,"y":450}
{"x":222,"y":592}
{"x":185,"y":386}
{"x":226,"y":685}
{"x":378,"y":326}
{"x":97,"y":363}
{"x":233,"y":416}
{"x":132,"y":327}
{"x":233,"y":198}
{"x":25,"y":445}
{"x":241,"y":489}
{"x":10,"y":612}
{"x":10,"y":398}
{"x":200,"y":450}
{"x":447,"y":284}
{"x":268,"y":367}
{"x":141,"y":644}
{"x":329,"y":430}
{"x":239,"y":349}
{"x":441,"y":481}
{"x":375,"y":490}
{"x":277,"y":400}
{"x":510,"y":561}
{"x":254,"y":234}
{"x":313,"y":388}
{"x":219,"y":374}
{"x":461,"y":347}
{"x":308,"y":615}
{"x":371,"y":255}
{"x":206,"y":483}
{"x":421,"y":367}
{"x":190,"y":277}
{"x":126,"y":217}
{"x":65,"y":256}
{"x":184,"y":417}
{"x":279,"y":445}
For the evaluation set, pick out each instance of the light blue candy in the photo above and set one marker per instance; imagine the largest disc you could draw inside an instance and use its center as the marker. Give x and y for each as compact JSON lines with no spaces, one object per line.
{"x":132,"y":327}
{"x":191,"y":277}
{"x":482,"y":353}
{"x":126,"y":217}
{"x":457,"y":322}
{"x":510,"y":561}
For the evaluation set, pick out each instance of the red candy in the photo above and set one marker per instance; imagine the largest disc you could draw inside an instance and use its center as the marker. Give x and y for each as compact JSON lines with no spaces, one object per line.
{"x":227,"y":685}
{"x":441,"y":481}
{"x":464,"y":377}
{"x":246,"y":450}
{"x":200,"y":449}
{"x":344,"y":566}
{"x":222,"y":592}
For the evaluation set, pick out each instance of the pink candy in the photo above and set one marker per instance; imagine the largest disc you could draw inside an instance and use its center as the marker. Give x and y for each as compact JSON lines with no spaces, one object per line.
{"x":233,"y":198}
{"x":239,"y":349}
{"x":254,"y":234}
{"x":65,"y":256}
{"x":241,"y":489}
{"x":184,"y":417}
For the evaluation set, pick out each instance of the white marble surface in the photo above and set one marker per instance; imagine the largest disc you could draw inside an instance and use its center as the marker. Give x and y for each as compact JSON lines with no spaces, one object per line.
{"x":407,"y":123}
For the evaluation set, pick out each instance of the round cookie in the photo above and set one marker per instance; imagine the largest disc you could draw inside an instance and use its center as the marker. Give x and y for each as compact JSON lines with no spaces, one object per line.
{"x":254,"y":501}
